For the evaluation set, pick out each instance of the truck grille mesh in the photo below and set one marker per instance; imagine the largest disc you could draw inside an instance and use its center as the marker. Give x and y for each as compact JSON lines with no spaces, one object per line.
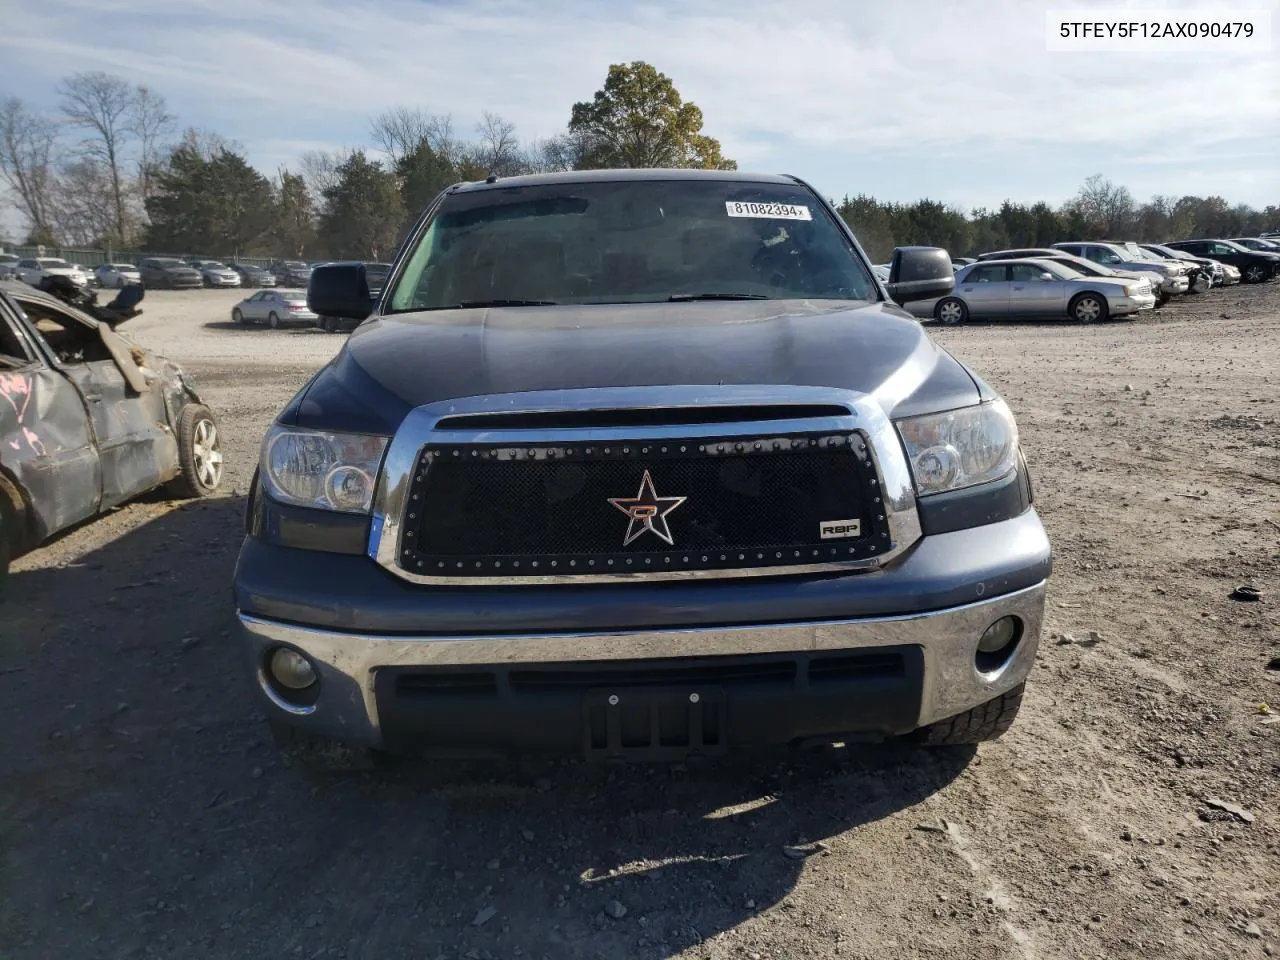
{"x":485,"y":511}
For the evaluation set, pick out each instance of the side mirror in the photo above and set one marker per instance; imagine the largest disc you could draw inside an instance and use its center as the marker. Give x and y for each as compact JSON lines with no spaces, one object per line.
{"x":920,"y":273}
{"x":339,"y":290}
{"x":1047,"y":276}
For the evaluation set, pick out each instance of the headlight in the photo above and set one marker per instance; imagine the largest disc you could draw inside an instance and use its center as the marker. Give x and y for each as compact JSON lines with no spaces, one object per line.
{"x":960,"y":448}
{"x":328,"y":471}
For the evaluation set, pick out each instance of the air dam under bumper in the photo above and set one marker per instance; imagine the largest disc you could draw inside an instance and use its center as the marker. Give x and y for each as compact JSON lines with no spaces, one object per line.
{"x":880,"y":676}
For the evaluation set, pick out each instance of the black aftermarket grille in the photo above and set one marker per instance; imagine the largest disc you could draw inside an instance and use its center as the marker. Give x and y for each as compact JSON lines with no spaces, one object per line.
{"x":479,"y":510}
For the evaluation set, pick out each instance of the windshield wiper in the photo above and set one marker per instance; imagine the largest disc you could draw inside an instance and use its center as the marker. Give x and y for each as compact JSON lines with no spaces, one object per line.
{"x":685,"y":297}
{"x":469,"y":304}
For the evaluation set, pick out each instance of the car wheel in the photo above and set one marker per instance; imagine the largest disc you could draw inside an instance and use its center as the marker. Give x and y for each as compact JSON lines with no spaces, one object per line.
{"x":1255,"y":274}
{"x":12,"y":524}
{"x":987,"y":721}
{"x":273,"y":321}
{"x":950,"y":310}
{"x":1088,"y":308}
{"x":199,"y":453}
{"x":237,"y":316}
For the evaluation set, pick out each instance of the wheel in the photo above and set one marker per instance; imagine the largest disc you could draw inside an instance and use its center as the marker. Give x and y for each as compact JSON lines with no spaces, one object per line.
{"x":237,"y":316}
{"x":199,"y":453}
{"x":986,"y":721}
{"x":950,"y":310}
{"x":1088,"y":307}
{"x":1254,"y":274}
{"x":273,"y":321}
{"x":119,"y":283}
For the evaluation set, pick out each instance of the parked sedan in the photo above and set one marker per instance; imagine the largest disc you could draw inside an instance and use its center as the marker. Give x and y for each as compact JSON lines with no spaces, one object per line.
{"x":1088,"y":267}
{"x":95,"y":419}
{"x":293,"y":273}
{"x":36,"y":269}
{"x":1255,"y":266}
{"x":1036,"y":288}
{"x":112,"y":276}
{"x":215,"y":273}
{"x":251,"y":276}
{"x":274,"y":308}
{"x":1258,"y":243}
{"x":169,"y":273}
{"x":1175,"y":281}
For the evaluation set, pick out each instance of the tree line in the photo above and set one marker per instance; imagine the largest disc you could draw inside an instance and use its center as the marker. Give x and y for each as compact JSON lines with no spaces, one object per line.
{"x":112,"y":169}
{"x":1100,"y":210}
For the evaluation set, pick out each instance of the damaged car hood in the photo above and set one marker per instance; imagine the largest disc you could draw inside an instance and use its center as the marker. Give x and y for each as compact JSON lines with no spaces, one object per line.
{"x":392,"y":364}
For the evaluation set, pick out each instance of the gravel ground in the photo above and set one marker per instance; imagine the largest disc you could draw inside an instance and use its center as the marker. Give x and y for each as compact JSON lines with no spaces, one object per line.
{"x":145,"y":812}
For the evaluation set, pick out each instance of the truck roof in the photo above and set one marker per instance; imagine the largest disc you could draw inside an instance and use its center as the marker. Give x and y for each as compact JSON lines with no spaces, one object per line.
{"x":606,"y":176}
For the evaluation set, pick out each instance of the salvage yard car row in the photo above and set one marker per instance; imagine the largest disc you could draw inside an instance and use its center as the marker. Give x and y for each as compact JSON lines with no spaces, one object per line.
{"x":1096,"y":280}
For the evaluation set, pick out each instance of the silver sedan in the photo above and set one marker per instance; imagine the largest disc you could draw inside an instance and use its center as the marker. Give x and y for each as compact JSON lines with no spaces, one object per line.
{"x":274,"y":308}
{"x":1036,"y":288}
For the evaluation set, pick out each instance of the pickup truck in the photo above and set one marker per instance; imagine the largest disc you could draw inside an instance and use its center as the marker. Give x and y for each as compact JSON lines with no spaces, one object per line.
{"x":638,"y":465}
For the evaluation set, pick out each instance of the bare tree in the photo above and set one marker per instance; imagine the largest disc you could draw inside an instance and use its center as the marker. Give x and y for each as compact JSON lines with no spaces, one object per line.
{"x":207,"y":144}
{"x":83,"y":208}
{"x":398,"y":131}
{"x":151,"y":122}
{"x":320,"y":171}
{"x":1108,"y":207}
{"x":26,"y":149}
{"x":499,"y":149}
{"x":101,"y":103}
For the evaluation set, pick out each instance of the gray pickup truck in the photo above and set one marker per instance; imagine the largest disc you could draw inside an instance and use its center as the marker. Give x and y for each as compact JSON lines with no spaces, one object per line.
{"x":639,"y":465}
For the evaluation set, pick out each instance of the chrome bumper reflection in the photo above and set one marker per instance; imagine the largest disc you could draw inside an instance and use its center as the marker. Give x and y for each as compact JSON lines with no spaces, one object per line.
{"x":347,"y":709}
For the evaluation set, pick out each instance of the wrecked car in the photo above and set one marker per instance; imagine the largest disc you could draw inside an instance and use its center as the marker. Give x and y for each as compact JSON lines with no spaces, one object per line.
{"x":89,"y":419}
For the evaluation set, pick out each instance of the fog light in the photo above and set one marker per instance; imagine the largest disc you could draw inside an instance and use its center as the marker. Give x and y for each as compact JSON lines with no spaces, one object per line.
{"x":998,"y":636}
{"x":291,"y":669}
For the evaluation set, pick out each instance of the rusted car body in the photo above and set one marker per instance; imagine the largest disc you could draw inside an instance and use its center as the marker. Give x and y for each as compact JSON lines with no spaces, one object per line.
{"x":88,"y":419}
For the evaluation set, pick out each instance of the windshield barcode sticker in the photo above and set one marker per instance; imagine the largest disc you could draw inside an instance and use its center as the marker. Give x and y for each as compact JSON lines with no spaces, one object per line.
{"x":768,"y":211}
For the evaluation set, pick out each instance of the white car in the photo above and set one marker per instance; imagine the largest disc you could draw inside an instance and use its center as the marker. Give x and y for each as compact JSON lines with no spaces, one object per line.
{"x":34,"y":270}
{"x":111,"y":276}
{"x":8,"y":265}
{"x":274,"y":308}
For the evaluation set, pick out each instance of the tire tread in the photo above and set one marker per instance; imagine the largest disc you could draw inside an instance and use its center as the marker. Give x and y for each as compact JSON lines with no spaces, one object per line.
{"x":986,"y":721}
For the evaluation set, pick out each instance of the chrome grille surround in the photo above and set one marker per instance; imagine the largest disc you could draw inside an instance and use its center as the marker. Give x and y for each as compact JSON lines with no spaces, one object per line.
{"x":420,"y":427}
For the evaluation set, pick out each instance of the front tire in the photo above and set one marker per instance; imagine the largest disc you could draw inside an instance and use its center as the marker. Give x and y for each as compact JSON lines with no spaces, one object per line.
{"x":237,"y":316}
{"x":273,"y":321}
{"x":987,"y":721}
{"x":199,"y":453}
{"x":951,"y":311}
{"x":1088,"y":308}
{"x":1254,"y":274}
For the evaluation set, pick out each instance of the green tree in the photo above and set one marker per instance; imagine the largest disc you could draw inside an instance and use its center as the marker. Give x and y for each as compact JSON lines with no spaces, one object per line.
{"x":363,"y":210}
{"x":215,"y":204}
{"x":638,"y":119}
{"x":423,"y":172}
{"x":294,"y":230}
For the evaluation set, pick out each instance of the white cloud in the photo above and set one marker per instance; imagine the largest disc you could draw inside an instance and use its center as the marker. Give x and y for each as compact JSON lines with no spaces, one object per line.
{"x":812,"y":85}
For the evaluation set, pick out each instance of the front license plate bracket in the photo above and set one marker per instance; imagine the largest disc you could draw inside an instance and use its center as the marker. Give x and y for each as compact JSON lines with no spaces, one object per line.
{"x":656,"y":724}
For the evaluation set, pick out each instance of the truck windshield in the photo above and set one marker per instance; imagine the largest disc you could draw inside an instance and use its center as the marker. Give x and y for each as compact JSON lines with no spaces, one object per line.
{"x":630,"y":241}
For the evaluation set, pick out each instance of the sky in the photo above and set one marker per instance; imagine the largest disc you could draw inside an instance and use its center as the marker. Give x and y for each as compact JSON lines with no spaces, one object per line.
{"x":956,"y":101}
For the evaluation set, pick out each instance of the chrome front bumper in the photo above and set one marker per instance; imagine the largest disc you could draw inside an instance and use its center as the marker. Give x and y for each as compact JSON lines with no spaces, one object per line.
{"x":346,"y":707}
{"x":1175,"y":286}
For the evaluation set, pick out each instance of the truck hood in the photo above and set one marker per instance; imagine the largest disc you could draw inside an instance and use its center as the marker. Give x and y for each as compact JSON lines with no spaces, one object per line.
{"x":392,"y":364}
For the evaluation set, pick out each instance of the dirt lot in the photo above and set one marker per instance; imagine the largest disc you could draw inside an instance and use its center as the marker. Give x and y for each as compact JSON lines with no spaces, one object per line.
{"x":145,"y":812}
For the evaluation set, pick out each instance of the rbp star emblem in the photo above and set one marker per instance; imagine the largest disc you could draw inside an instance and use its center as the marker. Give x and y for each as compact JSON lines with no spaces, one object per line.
{"x":647,"y":511}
